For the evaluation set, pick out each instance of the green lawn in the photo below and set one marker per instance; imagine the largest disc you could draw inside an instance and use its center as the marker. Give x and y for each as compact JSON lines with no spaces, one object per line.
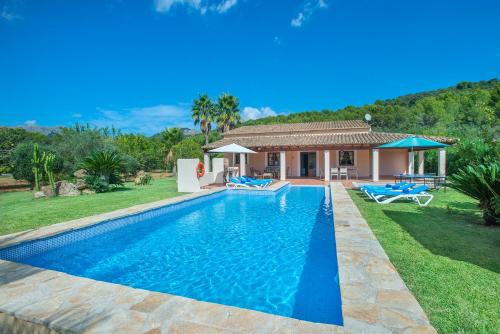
{"x":20,"y":211}
{"x":446,"y":257}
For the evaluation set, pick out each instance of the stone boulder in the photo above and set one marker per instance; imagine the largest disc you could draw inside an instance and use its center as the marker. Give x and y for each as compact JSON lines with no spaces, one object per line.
{"x":80,"y":184}
{"x":88,"y":192}
{"x":80,"y":174}
{"x":39,"y":194}
{"x":48,"y":191}
{"x":65,"y":188}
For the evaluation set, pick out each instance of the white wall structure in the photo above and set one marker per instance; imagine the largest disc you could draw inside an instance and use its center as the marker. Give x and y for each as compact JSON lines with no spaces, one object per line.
{"x":375,"y":164}
{"x":421,"y":162}
{"x":218,"y":170}
{"x":282,"y":165}
{"x":441,"y":162}
{"x":206,"y":162}
{"x":327,"y":166}
{"x":187,"y":180}
{"x":411,"y":164}
{"x":243,"y":165}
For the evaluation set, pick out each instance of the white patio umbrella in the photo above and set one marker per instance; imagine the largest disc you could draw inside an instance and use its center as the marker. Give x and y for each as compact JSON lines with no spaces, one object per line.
{"x":231,"y":148}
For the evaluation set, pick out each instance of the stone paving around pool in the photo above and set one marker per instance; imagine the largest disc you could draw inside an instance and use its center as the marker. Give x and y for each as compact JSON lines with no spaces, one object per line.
{"x":34,"y":300}
{"x":374,"y":297}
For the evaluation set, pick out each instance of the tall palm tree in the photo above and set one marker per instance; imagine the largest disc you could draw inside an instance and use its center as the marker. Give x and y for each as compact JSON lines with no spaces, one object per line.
{"x":228,"y":112}
{"x":203,"y":114}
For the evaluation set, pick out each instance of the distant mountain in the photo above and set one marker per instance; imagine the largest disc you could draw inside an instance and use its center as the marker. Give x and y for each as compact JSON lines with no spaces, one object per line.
{"x":45,"y":130}
{"x":189,"y":132}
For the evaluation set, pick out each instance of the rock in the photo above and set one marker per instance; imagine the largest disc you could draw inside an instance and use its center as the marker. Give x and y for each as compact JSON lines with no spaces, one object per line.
{"x":140,"y":173}
{"x":80,"y":174}
{"x":65,"y":188}
{"x":39,"y":194}
{"x":88,"y":192}
{"x":80,"y":184}
{"x":48,"y":191}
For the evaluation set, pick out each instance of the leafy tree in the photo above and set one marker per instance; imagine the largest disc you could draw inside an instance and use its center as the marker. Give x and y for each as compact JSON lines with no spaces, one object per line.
{"x":203,"y":114}
{"x":74,"y":144}
{"x":10,"y":138}
{"x":227,"y":112}
{"x":187,"y":149}
{"x":482,"y":183}
{"x":130,"y":164}
{"x":148,"y":151}
{"x":171,"y":137}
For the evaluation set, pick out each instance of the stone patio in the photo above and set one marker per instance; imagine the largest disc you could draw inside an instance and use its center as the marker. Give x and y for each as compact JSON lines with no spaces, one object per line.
{"x":34,"y":300}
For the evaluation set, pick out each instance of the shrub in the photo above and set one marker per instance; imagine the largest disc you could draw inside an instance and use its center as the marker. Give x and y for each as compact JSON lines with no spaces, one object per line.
{"x":106,"y":166}
{"x":96,"y":183}
{"x":482,"y":183}
{"x":130,"y":164}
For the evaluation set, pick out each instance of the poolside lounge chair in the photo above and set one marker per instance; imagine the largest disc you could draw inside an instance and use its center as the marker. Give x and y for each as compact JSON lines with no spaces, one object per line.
{"x":418,"y":194}
{"x":240,"y":183}
{"x":370,"y":189}
{"x":245,"y":179}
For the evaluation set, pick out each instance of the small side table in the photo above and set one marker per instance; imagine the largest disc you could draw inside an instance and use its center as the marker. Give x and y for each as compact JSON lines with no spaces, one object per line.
{"x":267,"y":175}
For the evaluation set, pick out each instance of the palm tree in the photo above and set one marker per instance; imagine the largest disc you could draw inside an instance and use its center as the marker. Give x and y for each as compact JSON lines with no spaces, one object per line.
{"x":203,"y":114}
{"x":228,"y":112}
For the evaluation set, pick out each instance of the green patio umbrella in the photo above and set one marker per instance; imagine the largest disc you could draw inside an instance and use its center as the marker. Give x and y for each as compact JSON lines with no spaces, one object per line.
{"x":413,"y":143}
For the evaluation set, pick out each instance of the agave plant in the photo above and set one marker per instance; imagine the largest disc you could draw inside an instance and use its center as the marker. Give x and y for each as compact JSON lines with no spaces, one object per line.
{"x":106,"y":165}
{"x":482,"y":183}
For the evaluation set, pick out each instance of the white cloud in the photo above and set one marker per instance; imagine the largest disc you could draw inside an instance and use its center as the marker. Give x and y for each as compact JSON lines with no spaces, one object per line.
{"x":310,"y":6}
{"x":30,"y":122}
{"x":203,"y":6}
{"x":225,"y":5}
{"x":8,"y":15}
{"x":147,"y":120}
{"x":297,"y":22}
{"x":254,"y":113}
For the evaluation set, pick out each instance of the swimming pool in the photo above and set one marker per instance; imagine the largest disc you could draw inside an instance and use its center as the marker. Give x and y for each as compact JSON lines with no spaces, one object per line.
{"x":271,"y":253}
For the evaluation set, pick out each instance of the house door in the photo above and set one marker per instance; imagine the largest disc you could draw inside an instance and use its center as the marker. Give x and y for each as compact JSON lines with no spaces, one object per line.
{"x":307,"y":163}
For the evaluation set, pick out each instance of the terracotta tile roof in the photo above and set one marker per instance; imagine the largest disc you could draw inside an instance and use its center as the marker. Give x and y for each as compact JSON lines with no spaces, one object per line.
{"x":333,"y":139}
{"x":299,"y":127}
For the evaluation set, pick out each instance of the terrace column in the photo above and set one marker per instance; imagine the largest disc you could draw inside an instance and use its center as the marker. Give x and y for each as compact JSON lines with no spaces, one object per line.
{"x":317,"y":164}
{"x":206,"y":162}
{"x":375,"y":164}
{"x":242,"y":164}
{"x":282,"y":166}
{"x":441,"y":162}
{"x":421,"y":162}
{"x":327,"y":166}
{"x":411,"y":164}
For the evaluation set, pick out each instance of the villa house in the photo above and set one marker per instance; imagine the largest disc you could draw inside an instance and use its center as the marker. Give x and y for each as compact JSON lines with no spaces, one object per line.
{"x":312,"y":149}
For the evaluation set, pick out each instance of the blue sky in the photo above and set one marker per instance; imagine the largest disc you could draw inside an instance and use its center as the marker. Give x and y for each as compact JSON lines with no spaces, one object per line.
{"x":139,"y":64}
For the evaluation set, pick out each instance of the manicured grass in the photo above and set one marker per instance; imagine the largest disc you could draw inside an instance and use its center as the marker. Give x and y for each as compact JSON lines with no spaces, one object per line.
{"x":446,"y":257}
{"x":19,"y":211}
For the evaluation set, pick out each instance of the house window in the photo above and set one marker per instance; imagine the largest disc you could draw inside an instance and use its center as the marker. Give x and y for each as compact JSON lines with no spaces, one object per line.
{"x":346,"y":158}
{"x":237,"y":159}
{"x":273,"y":159}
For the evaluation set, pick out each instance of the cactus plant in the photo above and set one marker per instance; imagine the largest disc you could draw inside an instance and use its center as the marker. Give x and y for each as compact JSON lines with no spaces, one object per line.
{"x":36,"y":164}
{"x":48,"y":165}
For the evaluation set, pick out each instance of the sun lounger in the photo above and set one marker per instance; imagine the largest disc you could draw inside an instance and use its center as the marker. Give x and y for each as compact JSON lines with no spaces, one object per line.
{"x":369,"y":190}
{"x":239,"y":183}
{"x":246,"y":179}
{"x":418,"y":194}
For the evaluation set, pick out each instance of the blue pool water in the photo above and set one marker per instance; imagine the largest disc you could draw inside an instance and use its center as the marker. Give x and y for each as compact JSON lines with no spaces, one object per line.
{"x":272,"y":253}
